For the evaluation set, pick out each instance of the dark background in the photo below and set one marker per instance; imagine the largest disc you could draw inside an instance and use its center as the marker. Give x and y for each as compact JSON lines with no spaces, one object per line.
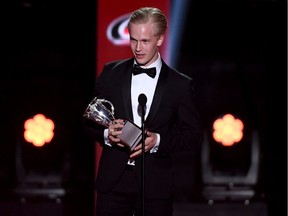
{"x":235,"y":51}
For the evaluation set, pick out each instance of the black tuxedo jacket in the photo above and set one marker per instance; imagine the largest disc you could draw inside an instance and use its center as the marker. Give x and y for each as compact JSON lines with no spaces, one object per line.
{"x":172,"y":115}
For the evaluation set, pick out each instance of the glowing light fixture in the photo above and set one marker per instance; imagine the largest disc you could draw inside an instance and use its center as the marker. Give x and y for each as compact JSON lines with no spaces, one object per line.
{"x":230,"y":160}
{"x":39,"y":130}
{"x":228,"y":130}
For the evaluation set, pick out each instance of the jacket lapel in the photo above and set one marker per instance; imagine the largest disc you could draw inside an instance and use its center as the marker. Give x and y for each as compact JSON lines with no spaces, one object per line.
{"x":126,"y":90}
{"x":158,"y":95}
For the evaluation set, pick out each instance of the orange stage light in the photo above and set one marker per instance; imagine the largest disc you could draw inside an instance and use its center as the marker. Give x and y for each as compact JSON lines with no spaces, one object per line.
{"x":228,"y":130}
{"x":39,"y":130}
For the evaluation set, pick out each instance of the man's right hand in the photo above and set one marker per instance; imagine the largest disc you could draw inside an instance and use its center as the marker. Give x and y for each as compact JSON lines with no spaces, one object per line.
{"x":114,"y":129}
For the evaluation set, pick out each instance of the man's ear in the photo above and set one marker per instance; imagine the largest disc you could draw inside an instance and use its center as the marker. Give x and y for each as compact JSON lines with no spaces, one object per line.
{"x":160,"y":40}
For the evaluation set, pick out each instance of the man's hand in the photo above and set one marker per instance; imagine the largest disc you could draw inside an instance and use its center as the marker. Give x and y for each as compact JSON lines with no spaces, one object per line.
{"x":115,"y":128}
{"x":150,"y":142}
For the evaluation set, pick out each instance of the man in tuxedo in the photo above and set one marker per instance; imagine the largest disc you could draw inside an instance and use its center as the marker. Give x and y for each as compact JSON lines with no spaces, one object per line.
{"x":171,"y":124}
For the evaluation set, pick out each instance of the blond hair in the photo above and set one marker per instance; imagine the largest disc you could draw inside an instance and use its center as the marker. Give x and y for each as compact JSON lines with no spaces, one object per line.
{"x":147,"y":14}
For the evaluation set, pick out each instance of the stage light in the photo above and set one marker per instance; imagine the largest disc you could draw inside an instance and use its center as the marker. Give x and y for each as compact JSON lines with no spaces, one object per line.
{"x":230,"y":159}
{"x":40,"y":168}
{"x":39,"y":130}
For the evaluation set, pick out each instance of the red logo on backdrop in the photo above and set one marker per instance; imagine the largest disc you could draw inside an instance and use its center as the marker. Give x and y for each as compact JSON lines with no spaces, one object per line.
{"x":117,"y":31}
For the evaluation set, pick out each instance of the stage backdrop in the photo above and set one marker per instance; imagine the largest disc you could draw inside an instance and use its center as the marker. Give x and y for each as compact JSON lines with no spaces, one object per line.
{"x":112,"y":35}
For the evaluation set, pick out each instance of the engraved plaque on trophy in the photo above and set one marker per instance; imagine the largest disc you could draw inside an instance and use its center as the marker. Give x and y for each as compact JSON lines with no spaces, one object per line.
{"x":99,"y":112}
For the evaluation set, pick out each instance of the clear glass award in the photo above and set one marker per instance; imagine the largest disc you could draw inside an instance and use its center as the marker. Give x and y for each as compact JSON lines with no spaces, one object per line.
{"x":101,"y":111}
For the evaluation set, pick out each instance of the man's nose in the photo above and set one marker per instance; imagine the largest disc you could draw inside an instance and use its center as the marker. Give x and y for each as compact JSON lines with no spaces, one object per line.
{"x":138,"y":46}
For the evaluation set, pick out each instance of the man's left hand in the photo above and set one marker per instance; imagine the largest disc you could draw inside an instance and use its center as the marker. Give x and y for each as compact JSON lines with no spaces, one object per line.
{"x":150,"y":142}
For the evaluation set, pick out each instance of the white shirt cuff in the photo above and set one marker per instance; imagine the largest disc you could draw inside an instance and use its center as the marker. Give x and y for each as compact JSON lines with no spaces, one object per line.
{"x":155,"y":148}
{"x":106,"y":140}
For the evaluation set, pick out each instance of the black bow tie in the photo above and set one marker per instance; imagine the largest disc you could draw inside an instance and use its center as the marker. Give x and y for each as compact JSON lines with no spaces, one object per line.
{"x":149,"y":71}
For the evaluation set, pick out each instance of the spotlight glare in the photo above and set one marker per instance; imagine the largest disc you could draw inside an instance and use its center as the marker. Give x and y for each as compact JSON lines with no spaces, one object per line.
{"x":39,"y":130}
{"x":228,"y":130}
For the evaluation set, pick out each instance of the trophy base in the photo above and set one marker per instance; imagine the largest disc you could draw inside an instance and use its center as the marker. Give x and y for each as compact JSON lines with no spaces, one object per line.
{"x":131,"y":134}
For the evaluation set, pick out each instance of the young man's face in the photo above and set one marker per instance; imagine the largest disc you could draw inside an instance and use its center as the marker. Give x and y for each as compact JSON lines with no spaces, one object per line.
{"x":144,"y":43}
